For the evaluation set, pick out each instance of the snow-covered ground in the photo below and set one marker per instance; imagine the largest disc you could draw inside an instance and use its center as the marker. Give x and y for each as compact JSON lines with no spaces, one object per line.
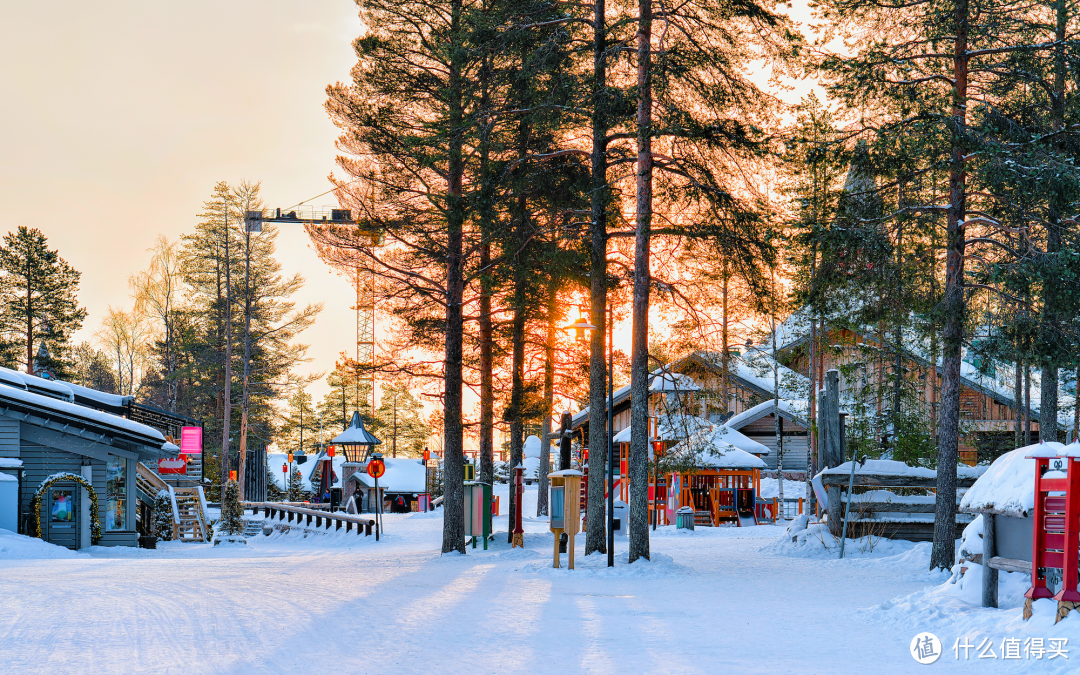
{"x":715,"y":600}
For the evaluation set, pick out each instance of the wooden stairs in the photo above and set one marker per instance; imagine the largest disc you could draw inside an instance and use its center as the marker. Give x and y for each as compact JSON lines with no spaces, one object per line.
{"x":189,"y":521}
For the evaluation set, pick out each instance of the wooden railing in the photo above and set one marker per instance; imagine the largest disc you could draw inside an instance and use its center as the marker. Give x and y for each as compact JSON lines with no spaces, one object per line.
{"x":190,"y":526}
{"x":303,"y":516}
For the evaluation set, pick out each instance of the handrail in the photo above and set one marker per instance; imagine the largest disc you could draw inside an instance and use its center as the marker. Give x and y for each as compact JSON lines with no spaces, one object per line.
{"x":175,"y":513}
{"x":269,"y":509}
{"x":149,"y":476}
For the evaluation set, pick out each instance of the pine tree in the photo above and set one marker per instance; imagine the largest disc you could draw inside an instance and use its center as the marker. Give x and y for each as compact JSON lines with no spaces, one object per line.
{"x":38,"y":293}
{"x":163,"y":516}
{"x":232,"y":514}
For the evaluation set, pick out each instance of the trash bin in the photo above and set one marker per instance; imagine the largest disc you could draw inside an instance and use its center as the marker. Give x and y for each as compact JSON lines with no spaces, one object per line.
{"x":621,"y":513}
{"x":684,"y":518}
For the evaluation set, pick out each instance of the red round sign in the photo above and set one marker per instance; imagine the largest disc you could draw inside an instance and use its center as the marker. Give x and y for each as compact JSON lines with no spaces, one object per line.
{"x":376,"y":468}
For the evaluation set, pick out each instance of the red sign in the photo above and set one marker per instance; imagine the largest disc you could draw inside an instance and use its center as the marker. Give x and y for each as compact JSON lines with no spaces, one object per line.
{"x":427,"y":456}
{"x":284,"y":468}
{"x":191,"y":440}
{"x":330,"y":452}
{"x":376,"y":468}
{"x":178,"y":465}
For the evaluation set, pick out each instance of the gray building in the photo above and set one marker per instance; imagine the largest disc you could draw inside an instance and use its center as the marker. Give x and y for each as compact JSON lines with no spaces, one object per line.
{"x":48,"y":427}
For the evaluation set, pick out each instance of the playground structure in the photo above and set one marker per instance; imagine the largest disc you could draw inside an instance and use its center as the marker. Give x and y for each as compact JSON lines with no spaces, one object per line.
{"x":717,"y":495}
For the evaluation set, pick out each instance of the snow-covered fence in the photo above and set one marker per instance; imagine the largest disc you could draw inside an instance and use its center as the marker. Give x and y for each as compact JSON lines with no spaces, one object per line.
{"x":887,"y":514}
{"x":305,"y":516}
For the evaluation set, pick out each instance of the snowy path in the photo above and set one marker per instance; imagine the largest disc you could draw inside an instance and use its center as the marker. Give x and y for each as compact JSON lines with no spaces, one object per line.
{"x":711,"y":601}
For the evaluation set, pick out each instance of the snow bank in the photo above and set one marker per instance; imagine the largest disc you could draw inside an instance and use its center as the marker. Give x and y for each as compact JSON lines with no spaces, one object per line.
{"x":19,"y":547}
{"x":817,"y":542}
{"x":793,"y":489}
{"x":953,"y":611}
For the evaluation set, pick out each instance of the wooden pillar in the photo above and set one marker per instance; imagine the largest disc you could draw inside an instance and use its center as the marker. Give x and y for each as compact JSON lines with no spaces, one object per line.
{"x":990,"y":575}
{"x":830,"y":438}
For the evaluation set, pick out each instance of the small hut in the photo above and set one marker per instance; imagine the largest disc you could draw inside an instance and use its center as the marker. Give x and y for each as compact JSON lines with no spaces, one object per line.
{"x":723,"y":486}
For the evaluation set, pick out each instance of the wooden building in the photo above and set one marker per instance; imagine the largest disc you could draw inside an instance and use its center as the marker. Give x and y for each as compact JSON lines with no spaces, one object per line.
{"x":45,"y":430}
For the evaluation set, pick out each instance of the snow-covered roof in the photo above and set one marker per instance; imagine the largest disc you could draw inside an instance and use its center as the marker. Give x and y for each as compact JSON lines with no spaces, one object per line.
{"x":10,"y":463}
{"x":402,"y":475}
{"x":740,"y":441}
{"x":170,"y":447}
{"x":1001,"y":384}
{"x":7,"y":478}
{"x":673,"y":382}
{"x":794,"y":410}
{"x":356,"y":434}
{"x":1008,"y":486}
{"x":99,"y":397}
{"x":72,"y":410}
{"x":53,"y":388}
{"x":713,"y":450}
{"x":669,"y":428}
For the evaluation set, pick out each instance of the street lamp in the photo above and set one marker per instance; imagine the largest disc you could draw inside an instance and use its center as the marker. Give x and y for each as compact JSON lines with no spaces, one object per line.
{"x":580,"y":326}
{"x":356,"y":442}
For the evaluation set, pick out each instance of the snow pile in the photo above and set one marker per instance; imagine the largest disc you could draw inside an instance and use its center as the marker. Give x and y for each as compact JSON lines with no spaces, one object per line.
{"x":815,"y":541}
{"x":1008,"y":486}
{"x":953,"y":611}
{"x":19,"y":547}
{"x":793,"y":489}
{"x":971,"y":542}
{"x":531,"y":447}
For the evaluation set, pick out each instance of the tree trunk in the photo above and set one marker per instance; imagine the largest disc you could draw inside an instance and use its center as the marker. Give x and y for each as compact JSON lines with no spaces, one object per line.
{"x":549,"y":401}
{"x":244,"y":399}
{"x":594,"y":529}
{"x":725,"y":357}
{"x":943,"y":554}
{"x":487,"y":392}
{"x":226,"y":413}
{"x":1058,"y":202}
{"x":639,"y":356}
{"x":517,"y":391}
{"x":453,"y":476}
{"x":1018,"y":402}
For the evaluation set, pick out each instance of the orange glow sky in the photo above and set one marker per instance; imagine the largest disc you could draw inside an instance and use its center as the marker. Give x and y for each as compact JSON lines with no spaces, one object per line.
{"x":120,"y":116}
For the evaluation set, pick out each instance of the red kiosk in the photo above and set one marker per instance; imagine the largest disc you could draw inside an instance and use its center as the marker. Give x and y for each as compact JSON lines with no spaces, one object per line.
{"x":1056,"y":540}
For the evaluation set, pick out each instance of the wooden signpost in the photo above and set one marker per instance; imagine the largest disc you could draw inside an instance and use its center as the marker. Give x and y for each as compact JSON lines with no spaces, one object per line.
{"x":565,"y":510}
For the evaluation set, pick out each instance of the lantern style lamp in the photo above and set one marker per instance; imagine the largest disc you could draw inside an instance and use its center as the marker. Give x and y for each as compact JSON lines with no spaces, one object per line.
{"x":356,"y":441}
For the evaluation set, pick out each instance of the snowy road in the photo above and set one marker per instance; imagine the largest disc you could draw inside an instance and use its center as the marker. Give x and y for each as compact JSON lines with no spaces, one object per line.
{"x":711,"y":601}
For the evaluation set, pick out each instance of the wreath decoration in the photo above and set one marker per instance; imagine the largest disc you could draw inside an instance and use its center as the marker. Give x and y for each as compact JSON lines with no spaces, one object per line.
{"x":35,"y":502}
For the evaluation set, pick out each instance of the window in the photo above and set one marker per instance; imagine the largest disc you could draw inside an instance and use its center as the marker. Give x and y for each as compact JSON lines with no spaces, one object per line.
{"x":116,"y":494}
{"x":63,"y":506}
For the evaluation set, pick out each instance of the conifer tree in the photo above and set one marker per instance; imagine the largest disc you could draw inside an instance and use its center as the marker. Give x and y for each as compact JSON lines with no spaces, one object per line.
{"x":232,"y":514}
{"x":38,"y":293}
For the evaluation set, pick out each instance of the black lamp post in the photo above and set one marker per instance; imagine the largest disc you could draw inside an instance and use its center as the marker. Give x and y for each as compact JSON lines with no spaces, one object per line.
{"x":580,"y":326}
{"x":356,"y":442}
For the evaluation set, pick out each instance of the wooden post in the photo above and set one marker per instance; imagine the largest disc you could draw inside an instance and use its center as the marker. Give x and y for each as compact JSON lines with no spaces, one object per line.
{"x":833,"y":457}
{"x":990,"y":575}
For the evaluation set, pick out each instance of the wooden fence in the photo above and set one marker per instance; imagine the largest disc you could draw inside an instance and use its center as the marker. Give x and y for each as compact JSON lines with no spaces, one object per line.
{"x":304,"y":516}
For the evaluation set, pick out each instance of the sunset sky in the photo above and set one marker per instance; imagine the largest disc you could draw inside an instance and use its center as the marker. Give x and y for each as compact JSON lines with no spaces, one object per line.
{"x":120,"y":116}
